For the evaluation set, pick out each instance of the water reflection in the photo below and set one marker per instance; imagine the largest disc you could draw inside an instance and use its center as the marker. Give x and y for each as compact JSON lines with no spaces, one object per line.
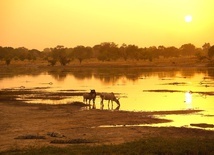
{"x":139,"y":89}
{"x":188,"y":100}
{"x":110,"y":106}
{"x":101,"y":107}
{"x":108,"y":74}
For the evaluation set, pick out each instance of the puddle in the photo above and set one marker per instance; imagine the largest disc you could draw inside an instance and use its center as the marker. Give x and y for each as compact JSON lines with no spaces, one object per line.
{"x":174,"y":123}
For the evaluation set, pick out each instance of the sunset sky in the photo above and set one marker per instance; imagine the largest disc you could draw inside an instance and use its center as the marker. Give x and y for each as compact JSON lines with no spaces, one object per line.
{"x":47,"y":23}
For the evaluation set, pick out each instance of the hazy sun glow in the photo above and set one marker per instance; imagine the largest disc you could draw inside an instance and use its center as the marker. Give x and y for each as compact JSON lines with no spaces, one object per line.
{"x":48,"y":23}
{"x":188,"y":18}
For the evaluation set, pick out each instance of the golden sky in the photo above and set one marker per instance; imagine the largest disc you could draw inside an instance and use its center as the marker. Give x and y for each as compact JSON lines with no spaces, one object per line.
{"x":47,"y":23}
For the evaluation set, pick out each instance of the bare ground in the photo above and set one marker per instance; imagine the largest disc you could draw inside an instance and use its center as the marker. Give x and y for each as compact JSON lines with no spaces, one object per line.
{"x":23,"y":125}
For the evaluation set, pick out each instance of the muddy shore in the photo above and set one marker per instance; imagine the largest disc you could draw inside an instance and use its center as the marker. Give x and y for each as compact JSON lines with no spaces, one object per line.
{"x":24,"y":125}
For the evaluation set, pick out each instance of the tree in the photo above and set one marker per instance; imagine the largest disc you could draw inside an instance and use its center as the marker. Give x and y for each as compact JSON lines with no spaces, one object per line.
{"x":132,"y":52}
{"x":1,"y":53}
{"x":123,"y":52}
{"x":152,"y":52}
{"x":81,"y":53}
{"x":187,"y":49}
{"x":21,"y":53}
{"x":33,"y":54}
{"x":206,"y":47}
{"x":101,"y":52}
{"x":107,"y":51}
{"x":8,"y":55}
{"x":171,"y":52}
{"x":211,"y":52}
{"x":200,"y":54}
{"x":59,"y":54}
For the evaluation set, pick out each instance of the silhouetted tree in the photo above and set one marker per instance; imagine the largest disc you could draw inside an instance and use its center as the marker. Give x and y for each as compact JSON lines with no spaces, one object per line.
{"x":33,"y":54}
{"x":8,"y":55}
{"x":200,"y":54}
{"x":206,"y":47}
{"x":107,"y":51}
{"x":132,"y":52}
{"x":187,"y":49}
{"x":211,"y":52}
{"x":152,"y":52}
{"x":172,"y":51}
{"x":21,"y":53}
{"x":1,"y":53}
{"x":59,"y":54}
{"x":81,"y":53}
{"x":162,"y":51}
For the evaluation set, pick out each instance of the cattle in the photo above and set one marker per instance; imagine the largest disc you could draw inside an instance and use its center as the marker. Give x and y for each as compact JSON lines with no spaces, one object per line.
{"x":90,"y":96}
{"x":110,"y":97}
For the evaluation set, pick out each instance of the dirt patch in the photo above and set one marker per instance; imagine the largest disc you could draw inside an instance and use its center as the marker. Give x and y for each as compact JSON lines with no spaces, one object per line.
{"x":45,"y":125}
{"x":30,"y":136}
{"x":71,"y":141}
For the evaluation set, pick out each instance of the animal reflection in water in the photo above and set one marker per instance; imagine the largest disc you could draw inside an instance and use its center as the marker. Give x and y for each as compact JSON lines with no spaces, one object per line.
{"x":110,"y":97}
{"x":90,"y":96}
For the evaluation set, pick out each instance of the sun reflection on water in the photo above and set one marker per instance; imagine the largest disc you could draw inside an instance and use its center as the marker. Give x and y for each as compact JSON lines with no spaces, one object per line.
{"x":145,"y":91}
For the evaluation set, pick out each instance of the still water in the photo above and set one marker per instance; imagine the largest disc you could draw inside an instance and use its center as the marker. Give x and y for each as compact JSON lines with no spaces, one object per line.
{"x":139,"y":89}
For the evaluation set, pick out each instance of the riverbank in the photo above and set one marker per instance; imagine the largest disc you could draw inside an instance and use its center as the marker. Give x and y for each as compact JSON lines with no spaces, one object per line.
{"x":158,"y":62}
{"x":34,"y":126}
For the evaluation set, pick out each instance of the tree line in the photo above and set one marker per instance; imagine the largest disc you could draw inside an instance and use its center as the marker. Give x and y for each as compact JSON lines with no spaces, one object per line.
{"x":106,"y":51}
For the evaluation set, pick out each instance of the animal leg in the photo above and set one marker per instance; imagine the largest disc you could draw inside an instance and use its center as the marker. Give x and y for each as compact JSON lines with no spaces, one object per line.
{"x":101,"y":104}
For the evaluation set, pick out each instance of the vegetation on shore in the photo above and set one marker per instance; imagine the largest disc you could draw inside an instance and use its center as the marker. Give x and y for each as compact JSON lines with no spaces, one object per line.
{"x":109,"y":52}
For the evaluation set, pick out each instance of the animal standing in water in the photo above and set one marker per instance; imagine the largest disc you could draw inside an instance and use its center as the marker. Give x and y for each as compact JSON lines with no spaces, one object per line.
{"x":90,"y":96}
{"x":110,"y":97}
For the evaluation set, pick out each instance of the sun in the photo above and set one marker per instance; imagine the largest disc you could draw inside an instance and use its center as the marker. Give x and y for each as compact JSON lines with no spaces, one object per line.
{"x":188,"y":18}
